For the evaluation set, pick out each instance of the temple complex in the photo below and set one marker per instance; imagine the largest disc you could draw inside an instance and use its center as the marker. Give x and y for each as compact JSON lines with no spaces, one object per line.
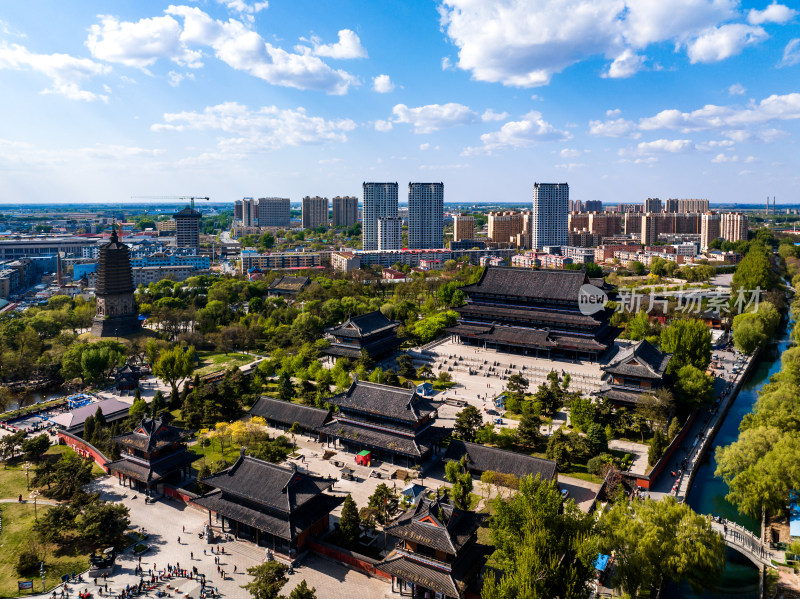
{"x":532,"y":312}
{"x":390,"y":423}
{"x":438,"y":555}
{"x":635,"y":370}
{"x":152,"y":453}
{"x":274,"y":506}
{"x":372,"y":332}
{"x":116,"y":308}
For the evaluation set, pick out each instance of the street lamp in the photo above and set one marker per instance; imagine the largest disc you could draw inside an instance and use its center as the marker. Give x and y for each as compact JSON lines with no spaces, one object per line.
{"x":27,"y":475}
{"x":35,"y":496}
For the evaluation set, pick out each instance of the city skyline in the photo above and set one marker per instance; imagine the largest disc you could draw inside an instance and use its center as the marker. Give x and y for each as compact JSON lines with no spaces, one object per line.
{"x":232,"y":98}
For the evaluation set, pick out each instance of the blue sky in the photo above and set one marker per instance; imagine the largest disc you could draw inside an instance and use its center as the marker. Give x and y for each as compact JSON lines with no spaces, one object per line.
{"x":231,"y":98}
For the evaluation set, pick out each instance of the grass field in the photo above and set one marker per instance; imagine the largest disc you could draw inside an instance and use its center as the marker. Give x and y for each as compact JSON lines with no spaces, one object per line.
{"x":12,"y":475}
{"x":17,"y":522}
{"x":213,"y":361}
{"x":213,"y":453}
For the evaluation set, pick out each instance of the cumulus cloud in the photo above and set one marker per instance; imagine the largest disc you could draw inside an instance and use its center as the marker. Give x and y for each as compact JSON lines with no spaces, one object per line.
{"x":65,"y":72}
{"x":424,"y":146}
{"x":432,"y":117}
{"x":570,"y":153}
{"x":660,"y":146}
{"x":141,"y":44}
{"x":265,"y":128}
{"x":791,"y":53}
{"x":382,"y":84}
{"x":722,"y":158}
{"x":723,"y":42}
{"x":774,"y":13}
{"x":523,"y":43}
{"x":348,"y":46}
{"x":245,"y":9}
{"x":174,"y":78}
{"x":491,"y":115}
{"x":625,"y":65}
{"x":614,"y":128}
{"x":524,"y":133}
{"x":383,"y":126}
{"x":737,"y":89}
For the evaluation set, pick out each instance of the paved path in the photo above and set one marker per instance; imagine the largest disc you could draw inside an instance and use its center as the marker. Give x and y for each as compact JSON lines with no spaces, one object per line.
{"x":38,"y":501}
{"x":746,"y":543}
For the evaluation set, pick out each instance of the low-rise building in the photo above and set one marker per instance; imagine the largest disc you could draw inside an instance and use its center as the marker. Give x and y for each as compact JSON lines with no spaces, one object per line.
{"x":371,"y":332}
{"x":345,"y":261}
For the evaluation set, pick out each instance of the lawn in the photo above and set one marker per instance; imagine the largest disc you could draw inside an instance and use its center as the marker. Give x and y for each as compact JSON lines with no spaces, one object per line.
{"x":213,"y":361}
{"x":12,"y":475}
{"x":213,"y":453}
{"x":17,"y":522}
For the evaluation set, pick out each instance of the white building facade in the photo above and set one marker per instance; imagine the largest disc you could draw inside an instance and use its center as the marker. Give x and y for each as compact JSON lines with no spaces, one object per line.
{"x":425,"y":215}
{"x":550,"y":214}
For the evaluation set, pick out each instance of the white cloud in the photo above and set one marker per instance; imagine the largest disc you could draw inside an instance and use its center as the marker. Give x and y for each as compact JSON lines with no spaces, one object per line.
{"x":174,"y":78}
{"x":64,"y":71}
{"x":523,"y":43}
{"x":613,"y":112}
{"x":140,"y":44}
{"x":791,"y":53}
{"x":570,"y":165}
{"x":751,"y":160}
{"x":432,"y":117}
{"x":424,"y":146}
{"x":491,"y":115}
{"x":722,"y":158}
{"x":723,"y":42}
{"x":570,"y":153}
{"x":329,"y":160}
{"x":20,"y":155}
{"x":348,"y":46}
{"x":737,"y":89}
{"x":6,"y":29}
{"x":615,"y":128}
{"x":144,"y":42}
{"x":266,"y":128}
{"x":244,"y":8}
{"x":383,"y":126}
{"x":661,"y":146}
{"x":447,"y":64}
{"x":519,"y":134}
{"x":745,"y":172}
{"x":382,"y":84}
{"x":625,"y":65}
{"x":774,"y":13}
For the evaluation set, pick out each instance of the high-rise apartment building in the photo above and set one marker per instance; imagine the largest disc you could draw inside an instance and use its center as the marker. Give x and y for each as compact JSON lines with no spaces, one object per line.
{"x":593,"y":205}
{"x":390,"y":233}
{"x":675,"y":205}
{"x":345,"y":211}
{"x":733,"y":226}
{"x":549,"y":214}
{"x":249,"y":216}
{"x":187,"y":228}
{"x":237,"y":211}
{"x":652,"y":205}
{"x":380,"y":201}
{"x":315,"y":212}
{"x":273,"y":212}
{"x":503,"y":226}
{"x":709,"y":229}
{"x":463,"y":227}
{"x":425,"y":215}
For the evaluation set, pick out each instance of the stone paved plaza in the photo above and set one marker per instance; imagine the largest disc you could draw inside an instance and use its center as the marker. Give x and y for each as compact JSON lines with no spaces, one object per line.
{"x":167,"y":521}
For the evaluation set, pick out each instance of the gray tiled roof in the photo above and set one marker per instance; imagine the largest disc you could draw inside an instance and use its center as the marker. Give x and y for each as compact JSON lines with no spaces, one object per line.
{"x":289,"y":284}
{"x":383,"y":400}
{"x":426,"y":576}
{"x":364,"y":325}
{"x":151,"y":434}
{"x":436,"y":524}
{"x":542,"y":285}
{"x":639,"y":360}
{"x":278,"y":487}
{"x":492,"y":312}
{"x":392,"y":442}
{"x":525,"y":337}
{"x":482,"y":458}
{"x":288,"y":413}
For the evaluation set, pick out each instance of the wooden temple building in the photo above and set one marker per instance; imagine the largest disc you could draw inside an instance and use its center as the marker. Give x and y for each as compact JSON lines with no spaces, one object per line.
{"x":438,"y":555}
{"x":532,"y":312}
{"x":635,"y":370}
{"x":274,"y":506}
{"x":482,"y":458}
{"x":284,"y":414}
{"x":372,"y":332}
{"x":392,"y":423}
{"x":151,"y":454}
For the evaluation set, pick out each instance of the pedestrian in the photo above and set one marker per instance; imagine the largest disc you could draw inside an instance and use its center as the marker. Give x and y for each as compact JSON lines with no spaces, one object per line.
{"x":204,"y":551}
{"x":191,"y":555}
{"x":234,"y":568}
{"x":179,"y":540}
{"x":184,"y":528}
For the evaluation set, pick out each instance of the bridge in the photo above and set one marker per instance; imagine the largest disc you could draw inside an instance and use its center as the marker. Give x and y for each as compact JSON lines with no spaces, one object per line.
{"x":740,"y":539}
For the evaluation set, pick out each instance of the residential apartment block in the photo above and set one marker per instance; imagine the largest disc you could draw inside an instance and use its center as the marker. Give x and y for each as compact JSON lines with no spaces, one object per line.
{"x":380,"y":201}
{"x":425,"y":215}
{"x":463,"y":227}
{"x":345,"y":211}
{"x":315,"y":212}
{"x":549,"y":214}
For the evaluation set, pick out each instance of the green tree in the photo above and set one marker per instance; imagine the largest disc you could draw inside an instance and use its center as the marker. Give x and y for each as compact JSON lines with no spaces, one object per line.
{"x":35,"y":447}
{"x":558,"y":448}
{"x":461,"y":480}
{"x":596,"y":438}
{"x":405,"y":367}
{"x":285,"y":387}
{"x":748,"y":333}
{"x":674,"y":429}
{"x":349,"y":524}
{"x":301,"y":591}
{"x":425,"y":371}
{"x":638,"y":327}
{"x":545,"y":548}
{"x":104,"y":522}
{"x":174,"y":365}
{"x":467,"y":422}
{"x":384,"y":501}
{"x":657,"y":446}
{"x":754,"y":271}
{"x":657,"y":541}
{"x":268,"y":580}
{"x":528,"y":430}
{"x":517,"y":385}
{"x":581,"y":413}
{"x":689,"y":342}
{"x":693,"y":387}
{"x":637,"y":268}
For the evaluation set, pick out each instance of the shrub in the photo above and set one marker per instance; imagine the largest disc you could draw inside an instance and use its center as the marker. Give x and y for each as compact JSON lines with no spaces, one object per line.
{"x":28,"y":562}
{"x":595,"y":465}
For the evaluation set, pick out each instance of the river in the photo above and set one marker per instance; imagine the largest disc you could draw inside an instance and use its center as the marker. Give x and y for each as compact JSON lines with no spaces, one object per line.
{"x":707,"y":495}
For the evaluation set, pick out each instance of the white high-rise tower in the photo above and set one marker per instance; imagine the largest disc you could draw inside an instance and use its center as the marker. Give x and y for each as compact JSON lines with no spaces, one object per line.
{"x":425,"y":215}
{"x":380,"y":201}
{"x":550,"y":214}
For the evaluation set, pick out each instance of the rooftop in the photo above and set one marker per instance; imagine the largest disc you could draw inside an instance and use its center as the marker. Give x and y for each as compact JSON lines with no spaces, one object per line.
{"x":288,"y":413}
{"x":364,"y":325}
{"x":482,"y":458}
{"x":543,"y":285}
{"x":151,"y":434}
{"x":384,"y":400}
{"x":639,"y":360}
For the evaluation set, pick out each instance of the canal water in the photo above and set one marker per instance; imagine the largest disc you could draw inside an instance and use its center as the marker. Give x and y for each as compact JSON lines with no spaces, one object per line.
{"x":707,"y":495}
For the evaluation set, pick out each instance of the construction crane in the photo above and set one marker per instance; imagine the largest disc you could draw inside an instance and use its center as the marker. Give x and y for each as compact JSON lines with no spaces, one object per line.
{"x":190,"y":198}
